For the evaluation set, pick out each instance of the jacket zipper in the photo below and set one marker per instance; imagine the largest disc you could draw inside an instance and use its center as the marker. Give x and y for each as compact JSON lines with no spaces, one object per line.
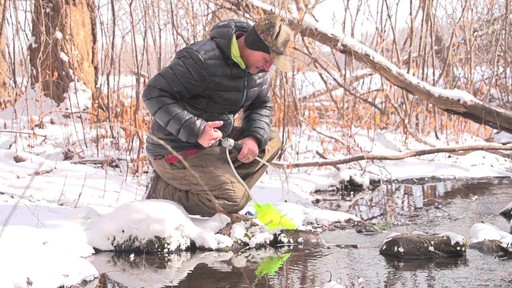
{"x":245,"y":89}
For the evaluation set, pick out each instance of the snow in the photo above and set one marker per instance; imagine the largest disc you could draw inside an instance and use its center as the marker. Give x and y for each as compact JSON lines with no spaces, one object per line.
{"x":454,"y":237}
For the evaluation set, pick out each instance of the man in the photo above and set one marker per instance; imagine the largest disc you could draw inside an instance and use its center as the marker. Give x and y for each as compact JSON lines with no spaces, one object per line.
{"x":193,"y":102}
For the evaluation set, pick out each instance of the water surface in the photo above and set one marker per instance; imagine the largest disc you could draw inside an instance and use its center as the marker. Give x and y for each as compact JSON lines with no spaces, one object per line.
{"x":442,"y":206}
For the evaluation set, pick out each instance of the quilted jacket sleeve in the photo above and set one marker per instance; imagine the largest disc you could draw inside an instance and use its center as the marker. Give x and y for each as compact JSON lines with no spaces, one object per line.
{"x":164,"y":94}
{"x":258,"y":116}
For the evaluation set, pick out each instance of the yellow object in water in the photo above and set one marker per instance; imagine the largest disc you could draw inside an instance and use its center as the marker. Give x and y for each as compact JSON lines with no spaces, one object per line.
{"x":272,"y":217}
{"x":271,"y":264}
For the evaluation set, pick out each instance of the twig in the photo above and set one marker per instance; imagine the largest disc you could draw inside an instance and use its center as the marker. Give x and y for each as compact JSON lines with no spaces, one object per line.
{"x":82,"y":190}
{"x":323,"y":157}
{"x":62,"y":192}
{"x":16,"y":132}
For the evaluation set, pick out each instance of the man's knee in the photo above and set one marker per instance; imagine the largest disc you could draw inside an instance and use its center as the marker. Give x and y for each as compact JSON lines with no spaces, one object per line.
{"x":273,"y":147}
{"x":237,"y":200}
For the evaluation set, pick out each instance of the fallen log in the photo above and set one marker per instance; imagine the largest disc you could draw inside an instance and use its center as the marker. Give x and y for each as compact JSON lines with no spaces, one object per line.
{"x":398,"y":156}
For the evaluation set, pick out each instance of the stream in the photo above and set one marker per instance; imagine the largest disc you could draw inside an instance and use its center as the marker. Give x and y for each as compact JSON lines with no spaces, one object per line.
{"x":351,"y":259}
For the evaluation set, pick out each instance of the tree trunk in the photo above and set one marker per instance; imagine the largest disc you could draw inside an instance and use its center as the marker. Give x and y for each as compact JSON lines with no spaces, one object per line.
{"x":4,"y":71}
{"x":64,"y":47}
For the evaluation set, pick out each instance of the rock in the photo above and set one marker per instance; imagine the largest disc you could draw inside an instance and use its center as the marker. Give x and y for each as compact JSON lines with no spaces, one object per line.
{"x":424,"y":246}
{"x":302,"y":239}
{"x":486,"y":231}
{"x":507,"y":213}
{"x":487,"y":246}
{"x":492,"y":247}
{"x":489,"y":239}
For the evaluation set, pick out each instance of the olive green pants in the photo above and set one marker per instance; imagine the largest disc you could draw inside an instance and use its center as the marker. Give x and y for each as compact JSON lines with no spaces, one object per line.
{"x":204,"y":183}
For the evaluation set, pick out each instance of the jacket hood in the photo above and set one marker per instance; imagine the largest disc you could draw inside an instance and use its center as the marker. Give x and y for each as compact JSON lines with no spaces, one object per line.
{"x":222,"y":33}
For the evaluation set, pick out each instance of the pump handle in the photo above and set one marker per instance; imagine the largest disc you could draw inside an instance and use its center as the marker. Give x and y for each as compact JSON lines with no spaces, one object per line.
{"x":231,"y":144}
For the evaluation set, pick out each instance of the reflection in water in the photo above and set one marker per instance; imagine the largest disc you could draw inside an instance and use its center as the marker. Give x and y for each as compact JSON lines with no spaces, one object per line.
{"x":271,"y":264}
{"x":420,"y":272}
{"x":389,"y":201}
{"x":414,"y":265}
{"x":250,"y":268}
{"x":392,"y":201}
{"x":156,"y":271}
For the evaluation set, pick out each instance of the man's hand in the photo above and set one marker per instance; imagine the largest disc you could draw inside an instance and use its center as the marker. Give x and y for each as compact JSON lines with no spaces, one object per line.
{"x":249,"y":150}
{"x":210,"y":133}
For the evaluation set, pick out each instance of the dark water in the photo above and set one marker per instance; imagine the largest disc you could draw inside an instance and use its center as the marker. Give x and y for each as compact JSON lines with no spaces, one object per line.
{"x":444,"y":206}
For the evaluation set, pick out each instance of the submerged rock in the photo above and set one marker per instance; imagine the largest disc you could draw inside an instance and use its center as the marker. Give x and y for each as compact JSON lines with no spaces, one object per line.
{"x":489,"y":239}
{"x":303,"y":239}
{"x":506,"y":213}
{"x":487,"y":246}
{"x":424,"y":246}
{"x":486,"y":231}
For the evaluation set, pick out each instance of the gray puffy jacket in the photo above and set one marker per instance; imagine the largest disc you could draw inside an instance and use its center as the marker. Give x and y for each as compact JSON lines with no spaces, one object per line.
{"x":203,"y":83}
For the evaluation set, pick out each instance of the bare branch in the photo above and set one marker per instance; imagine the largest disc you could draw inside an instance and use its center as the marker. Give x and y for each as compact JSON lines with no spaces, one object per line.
{"x":408,"y":154}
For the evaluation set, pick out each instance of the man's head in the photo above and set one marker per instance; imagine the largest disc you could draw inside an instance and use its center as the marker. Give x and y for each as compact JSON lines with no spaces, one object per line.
{"x":273,"y":40}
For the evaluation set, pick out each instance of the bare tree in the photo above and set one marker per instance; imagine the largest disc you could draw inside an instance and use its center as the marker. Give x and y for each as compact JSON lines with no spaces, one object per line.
{"x":472,"y":108}
{"x":63,"y":48}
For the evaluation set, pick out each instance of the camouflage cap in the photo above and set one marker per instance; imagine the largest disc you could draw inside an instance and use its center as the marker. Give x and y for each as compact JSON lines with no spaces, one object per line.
{"x":279,"y":38}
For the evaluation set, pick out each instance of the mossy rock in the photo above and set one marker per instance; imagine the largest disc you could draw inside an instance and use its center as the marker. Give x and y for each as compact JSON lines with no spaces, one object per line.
{"x":302,"y":239}
{"x":424,"y":246}
{"x":492,"y":247}
{"x":487,"y":246}
{"x":156,"y":244}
